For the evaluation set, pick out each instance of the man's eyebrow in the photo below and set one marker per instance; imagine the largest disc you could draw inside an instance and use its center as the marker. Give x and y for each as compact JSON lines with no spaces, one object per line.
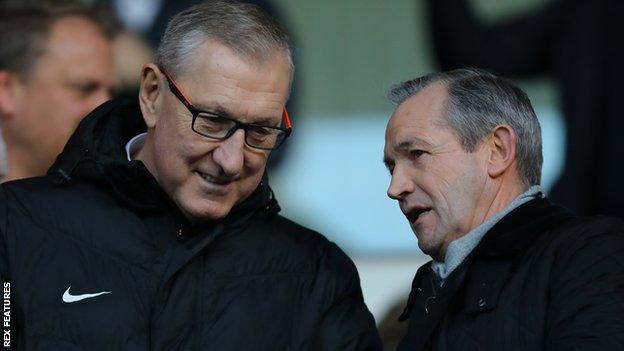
{"x":408,"y":144}
{"x":221,"y":111}
{"x":404,"y":145}
{"x":84,"y":85}
{"x":265,"y":121}
{"x":217,"y":110}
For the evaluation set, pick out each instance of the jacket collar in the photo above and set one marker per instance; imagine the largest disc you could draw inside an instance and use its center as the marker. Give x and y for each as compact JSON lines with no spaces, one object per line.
{"x":479,"y":280}
{"x":494,"y":259}
{"x":518,"y":230}
{"x":489,"y":264}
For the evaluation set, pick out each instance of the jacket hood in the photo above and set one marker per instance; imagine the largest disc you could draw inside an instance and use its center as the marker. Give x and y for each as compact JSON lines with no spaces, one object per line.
{"x":96,"y":153}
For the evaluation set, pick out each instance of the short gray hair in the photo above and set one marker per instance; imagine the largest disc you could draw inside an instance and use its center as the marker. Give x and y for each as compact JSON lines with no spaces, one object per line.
{"x":477,"y":102}
{"x":244,"y":28}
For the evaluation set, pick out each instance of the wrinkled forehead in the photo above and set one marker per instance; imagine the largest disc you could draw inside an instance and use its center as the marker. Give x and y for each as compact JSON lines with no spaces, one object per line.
{"x":420,"y":116}
{"x":218,"y":78}
{"x":213,"y":56}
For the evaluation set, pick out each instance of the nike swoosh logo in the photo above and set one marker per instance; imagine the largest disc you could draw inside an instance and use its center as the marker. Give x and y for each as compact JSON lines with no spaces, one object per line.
{"x":69,"y":298}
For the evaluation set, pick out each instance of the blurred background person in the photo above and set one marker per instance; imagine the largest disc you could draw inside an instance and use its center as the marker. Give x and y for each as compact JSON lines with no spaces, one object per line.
{"x":56,"y":65}
{"x":4,"y":166}
{"x":391,"y":330}
{"x":148,"y":18}
{"x":131,"y":53}
{"x":577,"y":42}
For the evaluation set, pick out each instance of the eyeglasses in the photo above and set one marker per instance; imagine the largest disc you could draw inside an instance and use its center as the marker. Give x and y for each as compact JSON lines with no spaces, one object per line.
{"x":213,"y":126}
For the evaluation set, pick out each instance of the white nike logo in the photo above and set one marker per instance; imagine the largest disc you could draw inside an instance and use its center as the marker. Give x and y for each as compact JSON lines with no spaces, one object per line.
{"x":69,"y":298}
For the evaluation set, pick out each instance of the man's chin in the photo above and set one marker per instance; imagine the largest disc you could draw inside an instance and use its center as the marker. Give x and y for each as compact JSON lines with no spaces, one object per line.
{"x":426,"y":241}
{"x":209,"y":212}
{"x":431,"y":250}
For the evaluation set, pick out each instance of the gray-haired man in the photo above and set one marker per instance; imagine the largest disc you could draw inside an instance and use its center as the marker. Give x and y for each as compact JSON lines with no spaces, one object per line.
{"x":510,"y":270}
{"x":156,"y":228}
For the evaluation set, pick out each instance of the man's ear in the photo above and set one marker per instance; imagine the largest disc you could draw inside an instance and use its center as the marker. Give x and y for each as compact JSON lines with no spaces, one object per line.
{"x":502,"y":145}
{"x":8,"y":93}
{"x":150,"y":94}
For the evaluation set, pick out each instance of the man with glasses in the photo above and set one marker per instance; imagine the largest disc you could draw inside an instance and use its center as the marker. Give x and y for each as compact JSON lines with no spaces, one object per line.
{"x":156,"y":227}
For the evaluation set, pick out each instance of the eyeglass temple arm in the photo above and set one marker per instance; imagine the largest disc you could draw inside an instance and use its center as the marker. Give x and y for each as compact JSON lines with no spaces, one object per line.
{"x":177,"y":91}
{"x":286,"y":119}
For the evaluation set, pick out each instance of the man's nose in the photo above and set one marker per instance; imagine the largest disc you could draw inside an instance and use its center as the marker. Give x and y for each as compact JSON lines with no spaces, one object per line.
{"x":229,"y":155}
{"x":400,"y":184}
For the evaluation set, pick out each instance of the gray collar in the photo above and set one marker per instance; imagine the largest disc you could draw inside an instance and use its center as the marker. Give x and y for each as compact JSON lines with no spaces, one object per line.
{"x":135,"y":145}
{"x":459,"y":248}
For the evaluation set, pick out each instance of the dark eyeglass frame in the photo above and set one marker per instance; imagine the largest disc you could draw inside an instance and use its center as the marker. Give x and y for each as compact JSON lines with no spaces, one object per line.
{"x":177,"y":92}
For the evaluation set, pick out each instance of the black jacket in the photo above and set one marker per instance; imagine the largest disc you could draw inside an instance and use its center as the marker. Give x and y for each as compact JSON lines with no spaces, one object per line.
{"x":99,"y":223}
{"x":540,"y":279}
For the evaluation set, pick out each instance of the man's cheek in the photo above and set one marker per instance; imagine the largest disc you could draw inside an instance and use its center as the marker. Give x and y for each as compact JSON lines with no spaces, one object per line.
{"x":4,"y":165}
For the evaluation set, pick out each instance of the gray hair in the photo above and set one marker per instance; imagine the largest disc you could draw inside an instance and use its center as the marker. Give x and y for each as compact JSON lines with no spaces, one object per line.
{"x":479,"y":101}
{"x":25,"y":28}
{"x":244,"y":28}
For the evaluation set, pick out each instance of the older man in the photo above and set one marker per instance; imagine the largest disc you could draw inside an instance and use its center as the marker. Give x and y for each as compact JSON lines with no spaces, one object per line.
{"x":156,"y":227}
{"x":510,"y":270}
{"x":55,"y":67}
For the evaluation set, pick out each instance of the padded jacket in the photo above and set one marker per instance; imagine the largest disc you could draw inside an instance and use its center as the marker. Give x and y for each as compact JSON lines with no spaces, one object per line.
{"x":99,"y":258}
{"x":540,"y":279}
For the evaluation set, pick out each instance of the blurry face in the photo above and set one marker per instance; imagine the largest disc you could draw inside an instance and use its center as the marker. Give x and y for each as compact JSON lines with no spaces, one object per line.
{"x":436,"y":183}
{"x":4,"y":167}
{"x":72,"y":77}
{"x":206,"y":177}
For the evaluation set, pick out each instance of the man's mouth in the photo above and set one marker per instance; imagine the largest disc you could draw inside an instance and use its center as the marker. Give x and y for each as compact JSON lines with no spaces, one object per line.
{"x":213,"y":180}
{"x":413,"y":214}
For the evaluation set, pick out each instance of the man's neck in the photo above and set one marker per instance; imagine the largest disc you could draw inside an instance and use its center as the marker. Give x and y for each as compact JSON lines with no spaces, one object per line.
{"x":16,"y":173}
{"x":495,"y":197}
{"x":503,"y":194}
{"x":24,"y":164}
{"x":145,"y":155}
{"x":457,"y":250}
{"x":19,"y":167}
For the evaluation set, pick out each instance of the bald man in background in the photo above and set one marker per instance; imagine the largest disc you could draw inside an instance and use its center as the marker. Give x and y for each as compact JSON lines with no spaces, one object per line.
{"x":56,"y":65}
